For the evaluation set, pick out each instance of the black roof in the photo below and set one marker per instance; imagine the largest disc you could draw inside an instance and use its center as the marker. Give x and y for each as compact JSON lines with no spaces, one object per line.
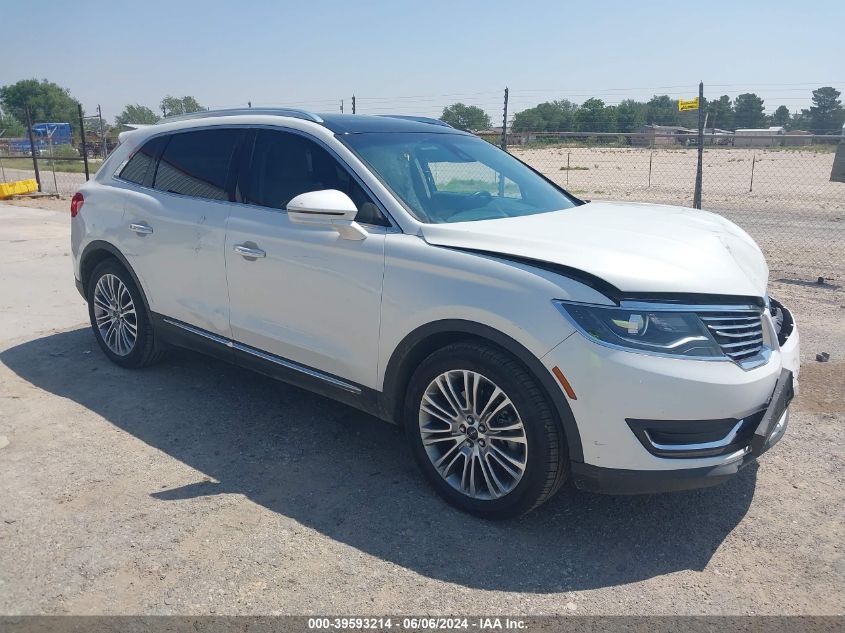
{"x":359,"y":123}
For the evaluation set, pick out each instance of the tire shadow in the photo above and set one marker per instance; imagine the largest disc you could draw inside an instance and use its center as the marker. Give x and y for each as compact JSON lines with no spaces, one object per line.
{"x":352,"y":478}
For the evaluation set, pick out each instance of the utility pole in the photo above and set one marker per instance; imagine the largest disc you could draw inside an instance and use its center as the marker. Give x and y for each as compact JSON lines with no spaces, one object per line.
{"x":505,"y":124}
{"x":341,"y":106}
{"x":696,"y":199}
{"x":353,"y":104}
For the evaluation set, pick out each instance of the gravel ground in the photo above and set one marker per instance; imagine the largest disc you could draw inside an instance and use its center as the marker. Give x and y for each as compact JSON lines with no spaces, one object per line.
{"x":195,"y":487}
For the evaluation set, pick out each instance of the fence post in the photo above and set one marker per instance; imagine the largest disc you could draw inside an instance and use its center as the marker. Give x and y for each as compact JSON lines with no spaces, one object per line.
{"x":696,"y":199}
{"x":567,"y":168}
{"x":505,"y":124}
{"x":753,"y":161}
{"x":32,"y":147}
{"x":84,"y":143}
{"x":353,"y":104}
{"x":2,"y":170}
{"x":650,"y":159}
{"x":52,"y":158}
{"x":102,"y":133}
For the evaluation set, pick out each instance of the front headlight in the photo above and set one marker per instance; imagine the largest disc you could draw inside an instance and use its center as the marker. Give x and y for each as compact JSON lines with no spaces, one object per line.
{"x":654,"y":331}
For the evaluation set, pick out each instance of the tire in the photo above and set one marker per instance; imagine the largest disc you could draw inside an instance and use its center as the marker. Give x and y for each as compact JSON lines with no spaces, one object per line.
{"x":478,"y":368}
{"x":111,"y":278}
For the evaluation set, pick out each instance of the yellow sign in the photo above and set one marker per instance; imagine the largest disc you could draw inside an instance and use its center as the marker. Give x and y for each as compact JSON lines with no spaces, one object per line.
{"x":687,"y":104}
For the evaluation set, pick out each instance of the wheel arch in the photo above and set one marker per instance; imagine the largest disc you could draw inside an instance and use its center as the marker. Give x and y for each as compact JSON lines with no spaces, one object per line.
{"x":426,"y":339}
{"x":97,"y":252}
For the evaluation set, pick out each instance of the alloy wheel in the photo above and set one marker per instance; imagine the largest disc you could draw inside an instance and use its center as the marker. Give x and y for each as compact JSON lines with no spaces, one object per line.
{"x":115,"y":316}
{"x":473,"y":434}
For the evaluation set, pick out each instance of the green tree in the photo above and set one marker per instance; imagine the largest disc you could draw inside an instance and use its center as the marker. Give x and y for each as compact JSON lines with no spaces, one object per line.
{"x":189,"y":104}
{"x":136,"y":113}
{"x":748,"y":111}
{"x":781,"y":116}
{"x":800,"y":120}
{"x":47,"y":101}
{"x":630,"y":115}
{"x":826,"y":113}
{"x":720,"y":113}
{"x":551,"y":116}
{"x":172,"y":106}
{"x":10,"y":126}
{"x":661,"y":110}
{"x":594,"y":116}
{"x":467,"y":118}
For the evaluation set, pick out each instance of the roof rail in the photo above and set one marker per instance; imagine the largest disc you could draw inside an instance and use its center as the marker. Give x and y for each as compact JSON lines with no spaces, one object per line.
{"x":202,"y":114}
{"x":418,"y":119}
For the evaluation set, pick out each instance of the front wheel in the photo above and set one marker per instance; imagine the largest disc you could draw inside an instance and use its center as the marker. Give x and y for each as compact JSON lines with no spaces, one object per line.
{"x":483,"y":432}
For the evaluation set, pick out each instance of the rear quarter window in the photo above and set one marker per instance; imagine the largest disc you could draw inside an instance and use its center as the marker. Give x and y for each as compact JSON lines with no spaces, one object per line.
{"x":198,"y":163}
{"x":139,"y":169}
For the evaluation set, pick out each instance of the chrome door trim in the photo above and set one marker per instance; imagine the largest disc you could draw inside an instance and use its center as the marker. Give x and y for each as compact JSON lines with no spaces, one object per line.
{"x":287,"y":364}
{"x":297,"y":367}
{"x":199,"y":332}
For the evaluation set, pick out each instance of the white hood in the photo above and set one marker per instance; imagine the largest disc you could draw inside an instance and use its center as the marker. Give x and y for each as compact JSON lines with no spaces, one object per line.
{"x":635,"y":247}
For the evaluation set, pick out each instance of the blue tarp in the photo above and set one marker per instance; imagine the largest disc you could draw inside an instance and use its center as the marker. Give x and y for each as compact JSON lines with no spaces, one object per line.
{"x":60,"y":133}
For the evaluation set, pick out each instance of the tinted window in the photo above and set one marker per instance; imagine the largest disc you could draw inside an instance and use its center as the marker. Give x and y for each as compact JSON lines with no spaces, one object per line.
{"x":284,"y":165}
{"x":139,"y":166}
{"x":197,"y":163}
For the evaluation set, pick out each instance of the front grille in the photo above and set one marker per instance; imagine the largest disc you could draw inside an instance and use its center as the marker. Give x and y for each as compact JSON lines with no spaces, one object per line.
{"x":739,"y":334}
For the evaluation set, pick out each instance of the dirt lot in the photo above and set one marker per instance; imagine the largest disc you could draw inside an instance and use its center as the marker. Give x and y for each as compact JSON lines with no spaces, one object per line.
{"x":195,"y":487}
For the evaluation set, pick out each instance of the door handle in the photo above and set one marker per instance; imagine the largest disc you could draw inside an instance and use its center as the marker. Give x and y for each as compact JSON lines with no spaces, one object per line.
{"x":140,"y":228}
{"x":249,"y":252}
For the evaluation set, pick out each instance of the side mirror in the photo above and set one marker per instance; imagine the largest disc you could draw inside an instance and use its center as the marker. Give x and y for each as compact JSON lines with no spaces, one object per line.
{"x":328,"y":208}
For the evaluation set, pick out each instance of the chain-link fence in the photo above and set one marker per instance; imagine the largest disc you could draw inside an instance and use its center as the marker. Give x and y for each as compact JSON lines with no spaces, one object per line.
{"x":781,"y":193}
{"x":51,"y":153}
{"x":779,"y":189}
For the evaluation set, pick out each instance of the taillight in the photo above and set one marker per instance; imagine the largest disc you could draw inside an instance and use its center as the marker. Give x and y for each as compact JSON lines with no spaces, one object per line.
{"x":76,"y":204}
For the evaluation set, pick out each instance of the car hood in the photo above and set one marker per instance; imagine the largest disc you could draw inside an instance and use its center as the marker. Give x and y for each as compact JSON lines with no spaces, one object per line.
{"x":635,"y":247}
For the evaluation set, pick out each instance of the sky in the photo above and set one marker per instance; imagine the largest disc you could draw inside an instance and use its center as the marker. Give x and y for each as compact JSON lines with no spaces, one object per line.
{"x":417,"y":57}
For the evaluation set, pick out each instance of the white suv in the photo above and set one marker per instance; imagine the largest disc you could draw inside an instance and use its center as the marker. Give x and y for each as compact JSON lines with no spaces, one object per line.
{"x":522,"y":336}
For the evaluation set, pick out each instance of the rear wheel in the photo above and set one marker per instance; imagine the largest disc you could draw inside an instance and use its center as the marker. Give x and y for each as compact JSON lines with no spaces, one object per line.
{"x":119,"y":319}
{"x":483,"y":432}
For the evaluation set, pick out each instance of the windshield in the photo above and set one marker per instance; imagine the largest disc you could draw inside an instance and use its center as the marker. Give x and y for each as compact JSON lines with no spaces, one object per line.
{"x":455,"y":178}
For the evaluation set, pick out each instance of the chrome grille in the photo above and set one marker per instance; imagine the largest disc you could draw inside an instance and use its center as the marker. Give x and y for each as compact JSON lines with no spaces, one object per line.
{"x":739,"y":334}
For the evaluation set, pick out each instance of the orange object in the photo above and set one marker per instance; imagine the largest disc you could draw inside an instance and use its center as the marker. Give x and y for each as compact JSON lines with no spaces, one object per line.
{"x":564,"y":383}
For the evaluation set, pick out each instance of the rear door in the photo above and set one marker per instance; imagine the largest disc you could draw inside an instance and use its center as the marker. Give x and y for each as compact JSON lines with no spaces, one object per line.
{"x":309,"y":296}
{"x":175,"y":227}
